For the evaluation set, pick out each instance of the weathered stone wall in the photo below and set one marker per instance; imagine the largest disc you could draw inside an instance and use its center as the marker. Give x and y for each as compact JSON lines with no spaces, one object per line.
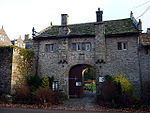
{"x":48,"y":63}
{"x":104,"y":56}
{"x":6,"y":54}
{"x":123,"y":62}
{"x":145,"y":63}
{"x":10,"y":74}
{"x":21,"y":67}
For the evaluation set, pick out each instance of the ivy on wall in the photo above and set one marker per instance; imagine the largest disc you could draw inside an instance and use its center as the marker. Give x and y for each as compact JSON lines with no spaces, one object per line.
{"x":24,"y":60}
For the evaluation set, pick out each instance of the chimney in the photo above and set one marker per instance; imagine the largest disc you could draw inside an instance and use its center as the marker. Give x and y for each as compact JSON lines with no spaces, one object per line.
{"x":99,"y":15}
{"x":64,"y":19}
{"x":148,"y":30}
{"x":26,"y":36}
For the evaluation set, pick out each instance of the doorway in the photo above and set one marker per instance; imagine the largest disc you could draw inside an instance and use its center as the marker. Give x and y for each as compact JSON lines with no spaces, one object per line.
{"x":81,"y":80}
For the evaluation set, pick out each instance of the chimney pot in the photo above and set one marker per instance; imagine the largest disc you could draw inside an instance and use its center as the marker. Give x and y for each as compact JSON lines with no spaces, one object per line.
{"x":99,"y":15}
{"x":64,"y":19}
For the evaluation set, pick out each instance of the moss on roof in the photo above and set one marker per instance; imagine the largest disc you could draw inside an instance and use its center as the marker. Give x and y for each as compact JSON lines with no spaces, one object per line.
{"x":111,"y":27}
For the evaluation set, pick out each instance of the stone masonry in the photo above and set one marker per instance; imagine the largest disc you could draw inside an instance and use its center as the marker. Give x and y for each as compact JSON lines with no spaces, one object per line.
{"x":105,"y":55}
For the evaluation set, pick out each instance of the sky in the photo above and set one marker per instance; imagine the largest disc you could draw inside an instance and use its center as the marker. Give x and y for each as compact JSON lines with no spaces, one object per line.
{"x":18,"y":17}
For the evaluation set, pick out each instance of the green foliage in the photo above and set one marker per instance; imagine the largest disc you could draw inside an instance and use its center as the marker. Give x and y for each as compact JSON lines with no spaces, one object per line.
{"x":34,"y":82}
{"x":45,"y":82}
{"x":27,"y":54}
{"x":89,"y":74}
{"x":123,"y":83}
{"x":90,"y":86}
{"x":117,"y":91}
{"x":108,"y":78}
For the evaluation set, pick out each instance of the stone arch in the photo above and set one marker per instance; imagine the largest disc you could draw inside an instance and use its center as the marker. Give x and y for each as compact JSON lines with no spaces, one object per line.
{"x":75,"y":79}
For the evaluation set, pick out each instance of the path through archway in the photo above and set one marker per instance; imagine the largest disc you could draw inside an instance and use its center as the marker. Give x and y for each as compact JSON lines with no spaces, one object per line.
{"x":77,"y":80}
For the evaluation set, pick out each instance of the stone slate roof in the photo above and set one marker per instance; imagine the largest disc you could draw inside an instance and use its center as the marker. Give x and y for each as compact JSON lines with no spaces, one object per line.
{"x":113,"y":27}
{"x":145,"y":39}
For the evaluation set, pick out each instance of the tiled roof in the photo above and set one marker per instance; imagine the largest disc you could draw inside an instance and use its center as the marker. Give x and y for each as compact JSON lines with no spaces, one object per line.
{"x":145,"y":39}
{"x":112,"y":27}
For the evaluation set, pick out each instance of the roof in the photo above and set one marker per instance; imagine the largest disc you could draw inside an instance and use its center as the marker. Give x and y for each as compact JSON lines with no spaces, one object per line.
{"x":112,"y":27}
{"x":145,"y":39}
{"x":4,"y":39}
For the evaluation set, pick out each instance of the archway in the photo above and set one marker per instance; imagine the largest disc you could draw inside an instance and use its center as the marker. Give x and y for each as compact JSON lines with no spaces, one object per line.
{"x":76,"y":80}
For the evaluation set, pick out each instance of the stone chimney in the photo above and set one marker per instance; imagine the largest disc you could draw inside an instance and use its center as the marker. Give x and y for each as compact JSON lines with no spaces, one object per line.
{"x":26,"y":37}
{"x":99,"y":15}
{"x":148,"y":30}
{"x":64,"y":19}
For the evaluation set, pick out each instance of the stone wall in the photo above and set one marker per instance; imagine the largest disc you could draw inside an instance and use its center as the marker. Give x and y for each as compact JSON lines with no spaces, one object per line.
{"x":104,"y":57}
{"x":6,"y":54}
{"x":145,"y":63}
{"x":10,"y":74}
{"x":125,"y":62}
{"x":49,"y":63}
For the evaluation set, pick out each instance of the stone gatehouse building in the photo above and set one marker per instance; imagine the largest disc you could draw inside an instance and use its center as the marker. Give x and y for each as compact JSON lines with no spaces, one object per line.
{"x":110,"y":47}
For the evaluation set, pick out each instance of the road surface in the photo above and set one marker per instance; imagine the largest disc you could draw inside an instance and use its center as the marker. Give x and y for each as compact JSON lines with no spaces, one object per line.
{"x":26,"y":110}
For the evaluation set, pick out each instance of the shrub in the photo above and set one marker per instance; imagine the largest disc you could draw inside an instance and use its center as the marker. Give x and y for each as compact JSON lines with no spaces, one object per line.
{"x":117,"y":90}
{"x":146,"y":92}
{"x":33,"y":82}
{"x":90,"y":86}
{"x":44,"y":96}
{"x":109,"y":91}
{"x":45,"y":82}
{"x":22,"y":94}
{"x":123,"y":83}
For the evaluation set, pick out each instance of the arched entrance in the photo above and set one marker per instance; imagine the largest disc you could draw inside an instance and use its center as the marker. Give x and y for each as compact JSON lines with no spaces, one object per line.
{"x":76,"y":80}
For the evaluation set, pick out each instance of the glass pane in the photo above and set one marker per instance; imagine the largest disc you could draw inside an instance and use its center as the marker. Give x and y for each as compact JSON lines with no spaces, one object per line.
{"x":79,"y":47}
{"x":119,"y":46}
{"x":124,"y":45}
{"x":52,"y":47}
{"x":88,"y":46}
{"x":47,"y":47}
{"x":74,"y":46}
{"x":83,"y":46}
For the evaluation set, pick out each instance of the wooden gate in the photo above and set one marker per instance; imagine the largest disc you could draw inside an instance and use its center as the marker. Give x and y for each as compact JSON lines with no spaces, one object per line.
{"x":75,"y":82}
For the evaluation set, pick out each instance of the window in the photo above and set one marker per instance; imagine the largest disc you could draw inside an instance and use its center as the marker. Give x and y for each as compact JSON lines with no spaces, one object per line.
{"x":49,"y":47}
{"x":55,"y":86}
{"x":119,"y":46}
{"x":122,"y":45}
{"x":88,"y":46}
{"x":79,"y":47}
{"x":83,"y":46}
{"x":74,"y":46}
{"x":52,"y":47}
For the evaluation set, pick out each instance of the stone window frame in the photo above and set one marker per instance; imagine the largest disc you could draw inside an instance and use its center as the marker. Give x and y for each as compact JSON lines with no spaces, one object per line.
{"x":122,"y":45}
{"x":88,"y":44}
{"x":74,"y":46}
{"x":81,"y":46}
{"x":50,"y":48}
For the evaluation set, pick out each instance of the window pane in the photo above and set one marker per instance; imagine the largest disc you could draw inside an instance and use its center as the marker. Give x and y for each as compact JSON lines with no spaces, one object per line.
{"x":74,"y":46}
{"x":52,"y":47}
{"x":47,"y":47}
{"x":88,"y":46}
{"x":119,"y":46}
{"x":83,"y":46}
{"x":79,"y":47}
{"x":124,"y":45}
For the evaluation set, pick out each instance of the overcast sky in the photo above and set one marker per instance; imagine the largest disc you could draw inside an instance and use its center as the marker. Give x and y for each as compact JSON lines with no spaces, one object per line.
{"x":18,"y":17}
